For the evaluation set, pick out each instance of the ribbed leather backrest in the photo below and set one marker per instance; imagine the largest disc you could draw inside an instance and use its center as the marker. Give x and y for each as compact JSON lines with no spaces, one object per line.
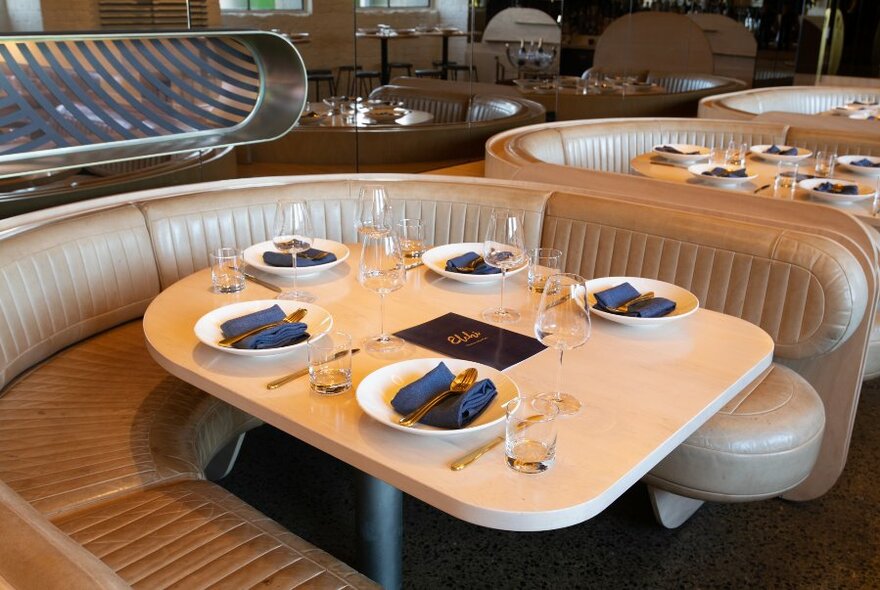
{"x":684,"y":82}
{"x":610,"y":145}
{"x":489,"y":108}
{"x":65,"y":280}
{"x":839,"y":142}
{"x":186,"y":228}
{"x":806,"y":291}
{"x":447,"y":107}
{"x":807,"y":100}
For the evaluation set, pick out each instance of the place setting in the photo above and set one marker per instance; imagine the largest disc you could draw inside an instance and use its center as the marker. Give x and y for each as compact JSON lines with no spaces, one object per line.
{"x":680,"y":155}
{"x":637,"y":301}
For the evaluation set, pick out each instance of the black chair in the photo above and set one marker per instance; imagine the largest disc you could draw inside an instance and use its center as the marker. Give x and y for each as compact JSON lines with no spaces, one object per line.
{"x":366,"y":81}
{"x":318,"y":77}
{"x":349,"y":71}
{"x":399,"y":65}
{"x":429,"y":73}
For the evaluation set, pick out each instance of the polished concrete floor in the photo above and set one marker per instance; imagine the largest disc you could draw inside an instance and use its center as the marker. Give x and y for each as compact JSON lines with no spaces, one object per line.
{"x":832,"y":542}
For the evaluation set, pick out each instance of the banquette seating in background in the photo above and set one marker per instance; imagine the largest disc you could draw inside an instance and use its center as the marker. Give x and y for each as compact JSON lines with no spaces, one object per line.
{"x":462,"y":123}
{"x":103,"y":452}
{"x":806,"y":100}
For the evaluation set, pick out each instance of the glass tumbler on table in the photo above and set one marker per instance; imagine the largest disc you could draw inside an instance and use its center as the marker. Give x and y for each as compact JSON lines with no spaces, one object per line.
{"x":786,"y":179}
{"x":563,"y":323}
{"x":411,"y":234}
{"x":227,"y":270}
{"x":293,"y":234}
{"x":530,"y":434}
{"x":382,"y":270}
{"x":736,"y":154}
{"x":330,"y":363}
{"x":503,"y":248}
{"x":543,"y":262}
{"x":825,"y":161}
{"x":374,"y":213}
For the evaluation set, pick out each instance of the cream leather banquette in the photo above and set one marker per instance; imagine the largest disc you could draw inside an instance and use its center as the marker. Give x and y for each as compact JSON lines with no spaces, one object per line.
{"x":95,"y":431}
{"x":807,"y":100}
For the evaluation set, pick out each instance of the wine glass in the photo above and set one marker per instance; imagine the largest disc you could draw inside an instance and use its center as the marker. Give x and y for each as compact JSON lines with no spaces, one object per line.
{"x":563,"y":323}
{"x":292,"y":234}
{"x":382,"y":270}
{"x":504,"y":248}
{"x":374,"y":210}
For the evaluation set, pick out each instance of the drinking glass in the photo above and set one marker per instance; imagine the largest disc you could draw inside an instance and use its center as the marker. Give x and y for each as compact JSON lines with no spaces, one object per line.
{"x":382,"y":270}
{"x":530,"y":434}
{"x":374,"y":210}
{"x":293,"y":234}
{"x":825,"y":161}
{"x":563,"y":323}
{"x":736,"y":154}
{"x":716,"y":156}
{"x":543,"y":262}
{"x":227,"y":270}
{"x":786,"y":179}
{"x":330,"y":363}
{"x":504,"y":248}
{"x":411,"y":234}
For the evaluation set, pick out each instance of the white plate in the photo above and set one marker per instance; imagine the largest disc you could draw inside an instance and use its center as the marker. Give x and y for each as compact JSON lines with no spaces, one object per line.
{"x":846,"y":162}
{"x":686,"y":302}
{"x":865,"y":114}
{"x":810,"y":185}
{"x":375,"y":392}
{"x":698,"y":169}
{"x":436,"y":258}
{"x":207,"y":329}
{"x":254,"y":257}
{"x":759,"y":151}
{"x":683,"y":147}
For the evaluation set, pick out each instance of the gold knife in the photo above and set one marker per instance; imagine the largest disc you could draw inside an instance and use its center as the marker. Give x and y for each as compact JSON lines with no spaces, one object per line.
{"x":288,"y":378}
{"x":262,"y":283}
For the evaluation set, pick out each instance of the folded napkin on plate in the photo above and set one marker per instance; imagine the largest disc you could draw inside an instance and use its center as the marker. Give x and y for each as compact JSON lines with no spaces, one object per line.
{"x":838,"y":189}
{"x":457,"y":411}
{"x":720,"y":172}
{"x":464,"y":262}
{"x":865,"y":162}
{"x":306,"y":258}
{"x":283,"y":335}
{"x":775,"y":149}
{"x":671,"y":150}
{"x":616,"y":296}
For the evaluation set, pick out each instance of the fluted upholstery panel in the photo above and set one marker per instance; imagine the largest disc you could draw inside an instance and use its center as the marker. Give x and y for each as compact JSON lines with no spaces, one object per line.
{"x":805,"y":291}
{"x":195,"y":535}
{"x":489,"y":108}
{"x":186,"y":229}
{"x":67,"y":280}
{"x":684,"y":82}
{"x":840,"y":143}
{"x":101,"y":419}
{"x":447,"y":107}
{"x":807,"y":100}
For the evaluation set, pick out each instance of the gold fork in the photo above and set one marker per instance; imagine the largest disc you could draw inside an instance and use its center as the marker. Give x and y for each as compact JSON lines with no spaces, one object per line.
{"x":313,"y":256}
{"x":462,"y":382}
{"x":290,"y":319}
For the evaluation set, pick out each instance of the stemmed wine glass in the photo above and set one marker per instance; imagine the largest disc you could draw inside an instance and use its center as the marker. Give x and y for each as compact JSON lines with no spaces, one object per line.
{"x":563,"y":323}
{"x":374,"y":210}
{"x":292,"y":234}
{"x":504,"y":248}
{"x":382,"y":271}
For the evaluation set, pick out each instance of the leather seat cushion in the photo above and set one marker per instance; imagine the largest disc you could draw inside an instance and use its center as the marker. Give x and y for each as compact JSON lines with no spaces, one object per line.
{"x":195,"y":534}
{"x":762,"y":443}
{"x":101,"y":418}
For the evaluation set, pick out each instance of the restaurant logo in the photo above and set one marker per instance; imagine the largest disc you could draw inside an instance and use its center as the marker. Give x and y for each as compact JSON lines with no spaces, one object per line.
{"x":466,"y":338}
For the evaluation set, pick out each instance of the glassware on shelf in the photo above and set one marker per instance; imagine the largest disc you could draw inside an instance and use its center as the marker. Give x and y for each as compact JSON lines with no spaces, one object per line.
{"x":504,"y":248}
{"x":382,"y":270}
{"x":563,"y":323}
{"x":292,"y":233}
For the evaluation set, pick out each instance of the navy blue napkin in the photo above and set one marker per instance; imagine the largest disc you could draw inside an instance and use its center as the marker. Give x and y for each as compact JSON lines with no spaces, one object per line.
{"x":865,"y":162}
{"x":720,"y":172}
{"x":671,"y":150}
{"x":454,"y":264}
{"x":302,"y":258}
{"x":456,"y":411}
{"x":283,"y":335}
{"x":615,"y":296}
{"x":838,"y":189}
{"x":774,"y":149}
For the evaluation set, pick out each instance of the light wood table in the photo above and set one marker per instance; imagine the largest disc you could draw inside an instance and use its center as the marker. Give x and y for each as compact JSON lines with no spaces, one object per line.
{"x":643,"y":390}
{"x":653,"y":166}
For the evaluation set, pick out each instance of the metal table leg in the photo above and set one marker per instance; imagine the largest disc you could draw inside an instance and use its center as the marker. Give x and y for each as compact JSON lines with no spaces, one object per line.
{"x":379,"y":514}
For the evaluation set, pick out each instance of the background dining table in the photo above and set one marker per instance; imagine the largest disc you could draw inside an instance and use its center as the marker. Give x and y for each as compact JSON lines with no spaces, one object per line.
{"x":391,"y":34}
{"x":643,"y":390}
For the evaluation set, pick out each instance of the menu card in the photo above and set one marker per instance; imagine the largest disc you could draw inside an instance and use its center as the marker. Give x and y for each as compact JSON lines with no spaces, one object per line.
{"x":472,"y":340}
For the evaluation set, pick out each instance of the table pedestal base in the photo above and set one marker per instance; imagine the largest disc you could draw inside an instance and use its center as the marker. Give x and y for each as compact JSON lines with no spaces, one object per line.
{"x":379,"y":514}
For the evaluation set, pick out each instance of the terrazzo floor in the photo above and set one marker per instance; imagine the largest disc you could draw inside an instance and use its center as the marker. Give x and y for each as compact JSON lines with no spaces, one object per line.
{"x":832,"y":542}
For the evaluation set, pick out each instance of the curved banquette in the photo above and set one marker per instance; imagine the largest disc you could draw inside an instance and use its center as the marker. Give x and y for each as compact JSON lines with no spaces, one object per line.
{"x":807,"y":100}
{"x":462,"y":123}
{"x":101,"y":451}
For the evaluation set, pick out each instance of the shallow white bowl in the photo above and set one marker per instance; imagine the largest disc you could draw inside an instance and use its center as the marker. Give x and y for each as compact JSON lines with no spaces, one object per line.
{"x":846,"y":162}
{"x":698,"y":169}
{"x":758,"y":150}
{"x":436,"y":258}
{"x":683,"y":147}
{"x":686,"y":302}
{"x":810,"y":185}
{"x":254,"y":257}
{"x":375,"y":392}
{"x":207,"y":329}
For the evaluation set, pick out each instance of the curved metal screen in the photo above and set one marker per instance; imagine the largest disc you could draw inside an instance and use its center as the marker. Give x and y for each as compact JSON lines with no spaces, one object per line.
{"x":70,"y":100}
